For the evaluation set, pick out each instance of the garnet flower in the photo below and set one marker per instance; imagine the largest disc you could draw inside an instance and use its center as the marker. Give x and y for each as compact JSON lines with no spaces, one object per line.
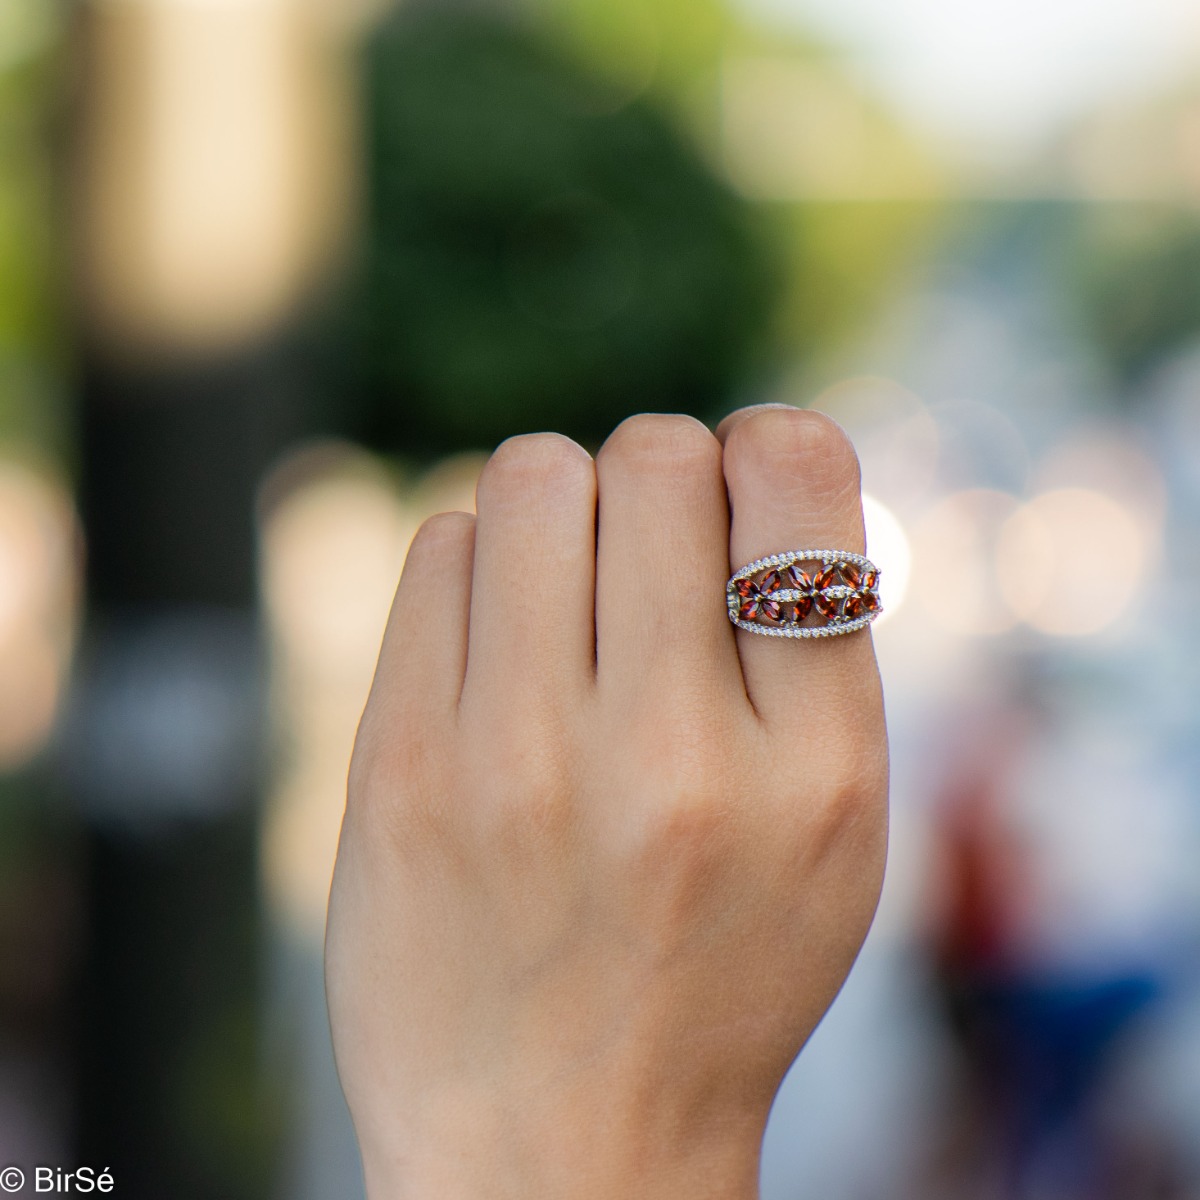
{"x":865,"y":599}
{"x":756,"y":600}
{"x":811,"y":589}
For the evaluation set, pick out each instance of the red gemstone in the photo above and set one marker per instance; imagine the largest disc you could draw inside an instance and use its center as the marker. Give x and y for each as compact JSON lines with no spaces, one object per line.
{"x":827,"y":606}
{"x":854,"y":606}
{"x":850,"y":573}
{"x":870,"y":579}
{"x":799,"y":579}
{"x":803,"y":606}
{"x":824,"y":579}
{"x":771,"y":582}
{"x":870,"y":601}
{"x":757,"y":605}
{"x":745,"y":588}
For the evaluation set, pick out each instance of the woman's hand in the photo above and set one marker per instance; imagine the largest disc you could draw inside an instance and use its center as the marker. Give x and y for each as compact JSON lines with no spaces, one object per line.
{"x":606,"y":860}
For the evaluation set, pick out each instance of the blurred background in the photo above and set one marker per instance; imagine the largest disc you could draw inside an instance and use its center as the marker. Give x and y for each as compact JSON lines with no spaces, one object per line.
{"x":275,"y":275}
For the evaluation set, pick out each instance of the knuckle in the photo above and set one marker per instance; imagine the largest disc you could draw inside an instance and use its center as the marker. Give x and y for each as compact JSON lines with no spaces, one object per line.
{"x":677,"y":852}
{"x":689,"y":820}
{"x":688,"y":773}
{"x":854,"y":792}
{"x":535,"y":462}
{"x":369,"y":784}
{"x":668,"y":441}
{"x":393,"y":782}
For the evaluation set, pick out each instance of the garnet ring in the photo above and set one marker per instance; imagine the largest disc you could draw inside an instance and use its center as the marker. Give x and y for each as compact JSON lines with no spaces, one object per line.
{"x":805,"y":593}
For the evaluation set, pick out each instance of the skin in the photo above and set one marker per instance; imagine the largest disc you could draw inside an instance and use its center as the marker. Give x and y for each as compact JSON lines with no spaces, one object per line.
{"x":606,"y":860}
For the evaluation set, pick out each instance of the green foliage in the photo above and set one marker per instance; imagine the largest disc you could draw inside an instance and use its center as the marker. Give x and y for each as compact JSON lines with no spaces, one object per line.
{"x":535,"y":257}
{"x":673,"y":48}
{"x":32,"y":341}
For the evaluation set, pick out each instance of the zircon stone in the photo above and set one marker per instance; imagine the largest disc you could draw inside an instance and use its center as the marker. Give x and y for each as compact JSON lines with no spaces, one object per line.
{"x":824,"y":578}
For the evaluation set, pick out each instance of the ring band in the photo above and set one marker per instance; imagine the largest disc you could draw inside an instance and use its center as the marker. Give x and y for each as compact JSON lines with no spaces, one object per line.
{"x":783,"y":596}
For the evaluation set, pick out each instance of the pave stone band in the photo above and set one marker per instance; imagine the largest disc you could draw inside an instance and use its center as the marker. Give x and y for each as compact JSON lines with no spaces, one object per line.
{"x":785,"y":596}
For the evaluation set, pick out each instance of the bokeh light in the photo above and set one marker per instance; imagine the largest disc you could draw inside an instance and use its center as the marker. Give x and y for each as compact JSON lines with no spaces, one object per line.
{"x":888,"y":549}
{"x":954,"y":547}
{"x":208,"y":213}
{"x":334,"y":536}
{"x":1071,"y":561}
{"x":336,"y":526}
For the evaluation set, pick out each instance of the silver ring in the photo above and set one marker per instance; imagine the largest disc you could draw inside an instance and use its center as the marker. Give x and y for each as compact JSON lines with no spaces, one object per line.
{"x":805,"y":594}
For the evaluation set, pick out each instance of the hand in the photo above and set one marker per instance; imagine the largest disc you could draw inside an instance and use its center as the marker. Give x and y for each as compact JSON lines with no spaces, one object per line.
{"x":606,"y":860}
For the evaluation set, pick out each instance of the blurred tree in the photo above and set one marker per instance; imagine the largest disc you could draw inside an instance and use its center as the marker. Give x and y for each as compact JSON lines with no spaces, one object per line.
{"x":537,"y":257}
{"x":669,"y":49}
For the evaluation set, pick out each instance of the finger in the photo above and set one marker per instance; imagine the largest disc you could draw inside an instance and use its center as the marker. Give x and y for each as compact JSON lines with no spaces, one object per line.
{"x":532,"y":631}
{"x":424,"y":651}
{"x":793,"y":482}
{"x":662,"y":557}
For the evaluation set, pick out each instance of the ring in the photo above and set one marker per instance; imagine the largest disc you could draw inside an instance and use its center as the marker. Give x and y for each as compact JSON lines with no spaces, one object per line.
{"x":782,"y":596}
